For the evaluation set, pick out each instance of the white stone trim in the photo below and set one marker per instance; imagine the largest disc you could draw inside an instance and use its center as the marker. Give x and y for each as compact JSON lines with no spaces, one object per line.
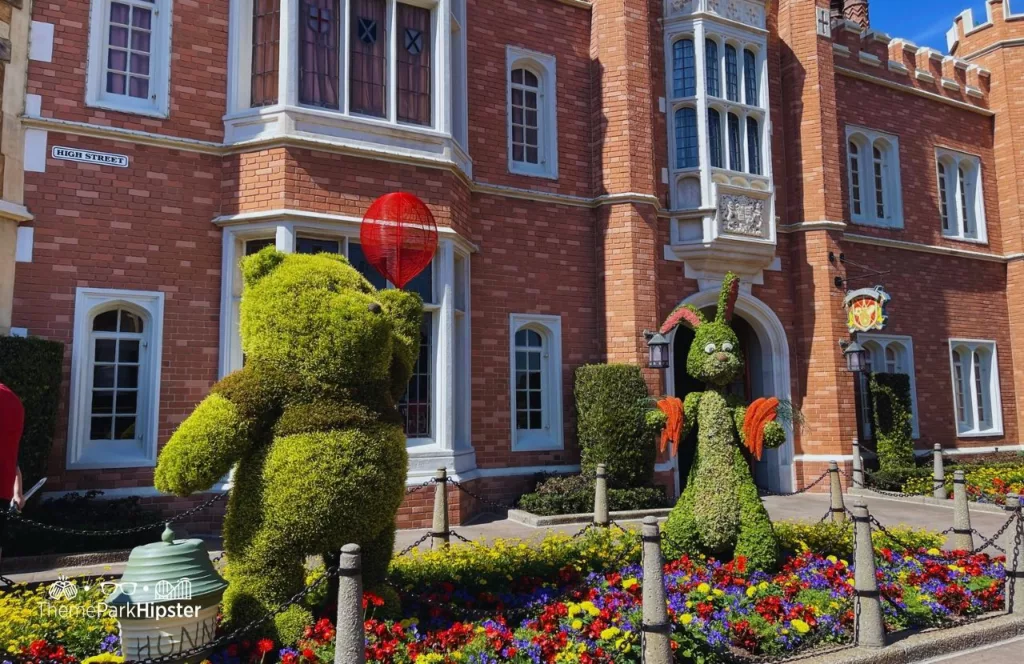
{"x":928,"y":248}
{"x":953,"y":160}
{"x":19,"y":332}
{"x":544,"y":66}
{"x":40,"y":41}
{"x":867,"y":141}
{"x":775,"y":344}
{"x":158,"y":104}
{"x":133,"y":454}
{"x":23,"y":244}
{"x":552,"y":436}
{"x":995,"y":400}
{"x":961,"y":451}
{"x":822,"y":458}
{"x":35,"y":150}
{"x":883,"y":341}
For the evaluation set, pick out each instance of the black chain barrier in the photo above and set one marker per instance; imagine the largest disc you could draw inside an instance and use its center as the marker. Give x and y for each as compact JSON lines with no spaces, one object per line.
{"x":472,"y":494}
{"x":769,"y":492}
{"x":16,"y":517}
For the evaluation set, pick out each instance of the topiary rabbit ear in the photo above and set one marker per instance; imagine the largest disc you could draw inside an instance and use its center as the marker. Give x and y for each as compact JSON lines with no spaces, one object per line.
{"x":687,"y":315}
{"x":727,"y":298}
{"x":260,"y":264}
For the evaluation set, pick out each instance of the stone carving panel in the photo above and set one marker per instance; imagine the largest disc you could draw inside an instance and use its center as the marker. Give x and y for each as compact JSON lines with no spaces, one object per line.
{"x":741,"y":215}
{"x":681,"y":7}
{"x":747,"y":12}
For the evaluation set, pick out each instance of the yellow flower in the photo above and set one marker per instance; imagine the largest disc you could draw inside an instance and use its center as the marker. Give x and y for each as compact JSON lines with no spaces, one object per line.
{"x":703,"y":588}
{"x":763,"y":585}
{"x":106,"y":658}
{"x":751,"y":591}
{"x":686,"y":618}
{"x":610,"y":633}
{"x":934,"y":552}
{"x":629,"y":583}
{"x":718,"y":592}
{"x":800,"y":626}
{"x":577,"y":624}
{"x":832,"y":559}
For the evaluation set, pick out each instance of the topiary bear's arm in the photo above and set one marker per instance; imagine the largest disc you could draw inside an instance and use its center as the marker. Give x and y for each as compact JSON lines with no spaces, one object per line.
{"x":221,"y":430}
{"x":406,"y":312}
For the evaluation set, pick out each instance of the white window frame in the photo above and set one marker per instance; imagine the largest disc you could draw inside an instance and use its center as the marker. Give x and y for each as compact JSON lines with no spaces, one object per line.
{"x":139,"y":453}
{"x":544,"y":67}
{"x":892,"y":189}
{"x":971,"y":428}
{"x":450,"y":441}
{"x":96,"y":95}
{"x":876,"y":344}
{"x":552,"y":435}
{"x":953,"y":161}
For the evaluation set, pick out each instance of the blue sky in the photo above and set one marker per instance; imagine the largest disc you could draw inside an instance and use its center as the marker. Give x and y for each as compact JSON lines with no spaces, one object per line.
{"x":923,"y":22}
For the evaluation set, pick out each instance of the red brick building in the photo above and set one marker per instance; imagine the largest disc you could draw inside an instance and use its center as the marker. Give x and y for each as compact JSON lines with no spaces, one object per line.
{"x":591,"y":164}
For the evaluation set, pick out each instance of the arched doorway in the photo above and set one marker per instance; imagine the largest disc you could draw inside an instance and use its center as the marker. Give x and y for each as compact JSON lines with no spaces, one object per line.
{"x":766,"y":351}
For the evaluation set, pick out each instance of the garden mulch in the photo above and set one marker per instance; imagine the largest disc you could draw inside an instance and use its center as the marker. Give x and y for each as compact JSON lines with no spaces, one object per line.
{"x":807,"y":506}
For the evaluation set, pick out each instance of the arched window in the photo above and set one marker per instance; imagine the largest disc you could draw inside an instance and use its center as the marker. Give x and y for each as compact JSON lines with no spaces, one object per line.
{"x":732,"y":74}
{"x":966,"y":201}
{"x":532,"y":123}
{"x":750,"y":76}
{"x":735,"y":155}
{"x":878,"y":166}
{"x":944,"y":198}
{"x":115,"y":378}
{"x":976,"y":387}
{"x":890,"y":354}
{"x":715,"y":137}
{"x":117,"y":360}
{"x":855,"y":187}
{"x":525,"y":116}
{"x":753,"y":146}
{"x":687,"y":154}
{"x":712,"y":68}
{"x":684,"y":69}
{"x":536,"y":374}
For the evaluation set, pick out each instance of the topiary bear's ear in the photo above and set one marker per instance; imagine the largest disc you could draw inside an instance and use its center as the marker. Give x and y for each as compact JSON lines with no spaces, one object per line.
{"x":405,"y":310}
{"x":260,"y":264}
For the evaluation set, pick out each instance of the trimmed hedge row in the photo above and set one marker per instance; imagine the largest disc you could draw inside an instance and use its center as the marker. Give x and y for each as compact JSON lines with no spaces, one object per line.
{"x":890,"y":399}
{"x":31,"y":367}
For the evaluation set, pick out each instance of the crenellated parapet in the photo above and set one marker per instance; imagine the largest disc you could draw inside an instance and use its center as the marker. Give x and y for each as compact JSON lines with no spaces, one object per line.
{"x":1004,"y":20}
{"x":876,"y":56}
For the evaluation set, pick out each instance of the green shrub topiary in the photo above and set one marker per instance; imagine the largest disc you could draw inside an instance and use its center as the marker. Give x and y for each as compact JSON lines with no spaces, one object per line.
{"x":32,"y":369}
{"x":612,"y":424}
{"x":574,"y":494}
{"x":890,"y":402}
{"x":312,"y":425}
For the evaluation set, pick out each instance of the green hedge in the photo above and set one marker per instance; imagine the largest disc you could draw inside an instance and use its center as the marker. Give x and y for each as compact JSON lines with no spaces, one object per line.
{"x":611,"y":407}
{"x":890,"y":400}
{"x":574,"y":494}
{"x":32,"y":369}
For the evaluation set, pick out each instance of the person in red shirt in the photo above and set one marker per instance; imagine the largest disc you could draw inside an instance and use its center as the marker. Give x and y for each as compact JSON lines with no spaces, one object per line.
{"x":12,"y":423}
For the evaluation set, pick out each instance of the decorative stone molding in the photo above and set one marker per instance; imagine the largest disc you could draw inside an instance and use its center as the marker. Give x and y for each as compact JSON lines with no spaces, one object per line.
{"x":739,"y":214}
{"x":747,"y":12}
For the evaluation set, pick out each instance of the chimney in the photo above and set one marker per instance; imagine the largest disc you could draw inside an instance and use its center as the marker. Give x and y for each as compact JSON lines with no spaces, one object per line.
{"x":857,"y":11}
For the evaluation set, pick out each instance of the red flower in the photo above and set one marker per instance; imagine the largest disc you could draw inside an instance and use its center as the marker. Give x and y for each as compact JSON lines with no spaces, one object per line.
{"x":263,"y":646}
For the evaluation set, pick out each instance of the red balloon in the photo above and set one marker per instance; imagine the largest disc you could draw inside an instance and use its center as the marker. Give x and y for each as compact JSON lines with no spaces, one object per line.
{"x":399,"y":237}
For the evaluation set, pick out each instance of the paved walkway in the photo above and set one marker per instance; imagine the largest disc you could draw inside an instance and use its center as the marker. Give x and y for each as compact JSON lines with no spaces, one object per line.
{"x":809,"y":507}
{"x":1005,"y":652}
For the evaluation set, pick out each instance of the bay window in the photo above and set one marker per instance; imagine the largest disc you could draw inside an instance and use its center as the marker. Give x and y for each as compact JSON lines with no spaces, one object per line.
{"x":435,"y":408}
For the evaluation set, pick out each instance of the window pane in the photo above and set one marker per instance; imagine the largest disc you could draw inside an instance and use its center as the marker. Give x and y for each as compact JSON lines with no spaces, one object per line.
{"x":313,"y":245}
{"x":533,"y":339}
{"x":735,"y":162}
{"x":124,"y":428}
{"x":712,"y":68}
{"x":943,"y":199}
{"x":525,"y":117}
{"x":415,"y":408}
{"x":753,"y":146}
{"x":368,"y":57}
{"x":423,"y":284}
{"x":103,"y":376}
{"x":105,"y":350}
{"x":687,"y":155}
{"x":414,"y":64}
{"x":715,"y":137}
{"x":101,"y":428}
{"x":879,"y":183}
{"x":253,"y":246}
{"x":130,"y":322}
{"x":318,"y":53}
{"x":980,"y":390}
{"x":127,"y":403}
{"x":102,"y":402}
{"x":684,"y":69}
{"x":732,"y":75}
{"x":105,"y":322}
{"x":750,"y":77}
{"x":855,"y":198}
{"x":127,"y":376}
{"x":359,"y":262}
{"x":265,"y":37}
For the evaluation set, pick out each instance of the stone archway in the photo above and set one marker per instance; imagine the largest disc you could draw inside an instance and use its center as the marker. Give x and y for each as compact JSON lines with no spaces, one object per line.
{"x":768,"y":371}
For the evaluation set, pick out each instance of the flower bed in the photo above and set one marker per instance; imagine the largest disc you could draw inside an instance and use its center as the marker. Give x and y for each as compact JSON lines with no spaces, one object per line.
{"x":988,"y":484}
{"x":579,"y":600}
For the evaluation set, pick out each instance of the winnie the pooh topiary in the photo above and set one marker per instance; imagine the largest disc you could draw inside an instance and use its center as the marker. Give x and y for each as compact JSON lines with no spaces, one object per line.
{"x":720,"y":512}
{"x":312,"y":425}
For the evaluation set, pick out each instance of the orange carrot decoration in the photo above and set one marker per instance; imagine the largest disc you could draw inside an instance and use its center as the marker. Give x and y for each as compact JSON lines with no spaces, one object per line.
{"x":759,"y":413}
{"x":673,"y":431}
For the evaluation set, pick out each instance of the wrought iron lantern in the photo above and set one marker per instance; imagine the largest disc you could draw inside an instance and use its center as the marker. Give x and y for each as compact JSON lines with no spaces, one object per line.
{"x":854,"y":354}
{"x":657,"y":350}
